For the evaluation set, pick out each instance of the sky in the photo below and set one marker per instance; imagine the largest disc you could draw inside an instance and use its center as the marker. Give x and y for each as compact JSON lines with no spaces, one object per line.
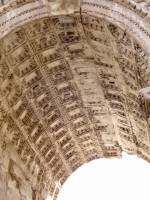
{"x":109,"y":179}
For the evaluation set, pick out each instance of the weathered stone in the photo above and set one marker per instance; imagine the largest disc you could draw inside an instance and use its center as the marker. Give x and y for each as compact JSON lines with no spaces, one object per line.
{"x":74,"y":86}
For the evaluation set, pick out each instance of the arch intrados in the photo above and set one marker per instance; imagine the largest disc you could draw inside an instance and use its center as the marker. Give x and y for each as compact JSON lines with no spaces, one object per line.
{"x":53,"y":190}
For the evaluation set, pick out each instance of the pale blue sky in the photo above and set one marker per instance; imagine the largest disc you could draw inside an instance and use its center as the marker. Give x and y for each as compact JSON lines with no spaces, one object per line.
{"x":109,"y":179}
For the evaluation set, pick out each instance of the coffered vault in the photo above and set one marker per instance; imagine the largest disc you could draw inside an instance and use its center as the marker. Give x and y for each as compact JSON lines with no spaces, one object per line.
{"x":70,"y":76}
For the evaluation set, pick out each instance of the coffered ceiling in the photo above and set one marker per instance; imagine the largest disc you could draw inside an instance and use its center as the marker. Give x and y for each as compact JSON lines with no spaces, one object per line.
{"x":70,"y":75}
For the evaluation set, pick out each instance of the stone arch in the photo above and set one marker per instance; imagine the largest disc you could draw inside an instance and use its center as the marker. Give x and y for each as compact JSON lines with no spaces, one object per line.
{"x":69,"y":93}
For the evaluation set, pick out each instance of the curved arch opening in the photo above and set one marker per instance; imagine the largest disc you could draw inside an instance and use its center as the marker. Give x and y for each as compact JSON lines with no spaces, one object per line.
{"x":106,"y":179}
{"x":69,"y":94}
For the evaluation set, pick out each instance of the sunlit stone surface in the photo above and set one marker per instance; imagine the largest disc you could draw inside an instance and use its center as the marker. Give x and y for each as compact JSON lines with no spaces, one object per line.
{"x":71,"y":80}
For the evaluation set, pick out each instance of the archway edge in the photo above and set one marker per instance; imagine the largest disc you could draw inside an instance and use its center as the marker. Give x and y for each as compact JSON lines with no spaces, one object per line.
{"x":118,"y":14}
{"x":128,"y":15}
{"x":55,"y":189}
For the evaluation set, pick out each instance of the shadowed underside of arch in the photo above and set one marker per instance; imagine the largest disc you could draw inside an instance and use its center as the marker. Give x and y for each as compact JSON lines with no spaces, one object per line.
{"x":69,"y":93}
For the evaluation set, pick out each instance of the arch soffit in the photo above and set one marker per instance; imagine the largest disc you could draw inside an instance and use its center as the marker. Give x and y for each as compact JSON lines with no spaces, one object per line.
{"x":60,"y":168}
